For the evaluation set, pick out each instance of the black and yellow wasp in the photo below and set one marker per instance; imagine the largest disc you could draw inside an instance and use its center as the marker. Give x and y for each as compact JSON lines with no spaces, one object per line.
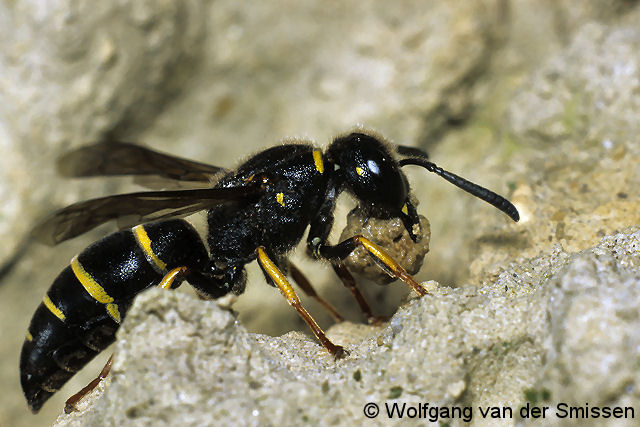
{"x":260,"y":210}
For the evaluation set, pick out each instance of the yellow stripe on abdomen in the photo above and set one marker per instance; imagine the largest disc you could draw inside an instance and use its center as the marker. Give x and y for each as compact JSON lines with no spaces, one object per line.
{"x":145,"y":244}
{"x":94,"y":289}
{"x":89,"y":283}
{"x":53,"y":309}
{"x":114,"y":312}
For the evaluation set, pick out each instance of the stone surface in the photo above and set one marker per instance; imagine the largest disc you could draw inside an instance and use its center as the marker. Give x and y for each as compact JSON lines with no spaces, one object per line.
{"x":596,"y":76}
{"x":578,"y":182}
{"x":593,"y":311}
{"x":563,"y":323}
{"x":226,"y":80}
{"x":72,"y":72}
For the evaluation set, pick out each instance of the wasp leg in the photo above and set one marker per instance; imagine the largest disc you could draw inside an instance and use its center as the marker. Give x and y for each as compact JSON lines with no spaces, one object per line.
{"x":70,"y":404}
{"x":350,"y":283}
{"x":386,"y":262}
{"x":317,"y":238}
{"x":279,"y":279}
{"x":304,"y":284}
{"x":168,"y":280}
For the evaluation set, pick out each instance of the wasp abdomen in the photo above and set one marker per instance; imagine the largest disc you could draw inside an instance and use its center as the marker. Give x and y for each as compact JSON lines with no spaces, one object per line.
{"x":83,"y":308}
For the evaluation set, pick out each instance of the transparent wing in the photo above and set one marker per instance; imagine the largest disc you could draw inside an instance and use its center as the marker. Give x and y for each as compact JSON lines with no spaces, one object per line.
{"x":123,"y":158}
{"x":136,"y":208}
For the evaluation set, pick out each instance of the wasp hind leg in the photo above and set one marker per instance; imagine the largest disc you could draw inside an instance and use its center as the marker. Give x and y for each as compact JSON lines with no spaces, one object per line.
{"x":350,"y":283}
{"x":71,"y":403}
{"x":279,"y":279}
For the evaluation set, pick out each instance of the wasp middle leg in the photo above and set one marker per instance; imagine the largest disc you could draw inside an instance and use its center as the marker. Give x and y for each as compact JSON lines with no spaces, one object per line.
{"x":272,"y":271}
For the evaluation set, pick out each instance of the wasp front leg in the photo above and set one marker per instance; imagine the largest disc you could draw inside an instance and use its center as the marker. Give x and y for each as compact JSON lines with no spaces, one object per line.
{"x":316,"y":244}
{"x":384,"y":260}
{"x":319,"y":248}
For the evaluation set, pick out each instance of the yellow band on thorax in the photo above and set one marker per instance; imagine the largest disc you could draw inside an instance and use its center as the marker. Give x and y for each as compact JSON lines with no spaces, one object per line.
{"x":317,"y":159}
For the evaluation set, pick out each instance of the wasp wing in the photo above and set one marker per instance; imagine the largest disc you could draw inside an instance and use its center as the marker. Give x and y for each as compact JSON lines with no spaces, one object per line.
{"x":122,"y":158}
{"x":136,"y":208}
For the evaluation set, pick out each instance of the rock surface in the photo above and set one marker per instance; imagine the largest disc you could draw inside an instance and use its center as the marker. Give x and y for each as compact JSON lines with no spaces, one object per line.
{"x":535,"y":100}
{"x":564,"y":324}
{"x":578,"y":171}
{"x":73,"y":72}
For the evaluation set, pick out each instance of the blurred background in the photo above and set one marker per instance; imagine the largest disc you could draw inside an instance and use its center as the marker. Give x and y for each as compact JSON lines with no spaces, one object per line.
{"x":216,"y":81}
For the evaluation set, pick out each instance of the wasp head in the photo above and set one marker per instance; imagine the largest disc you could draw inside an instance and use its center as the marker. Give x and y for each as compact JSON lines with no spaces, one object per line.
{"x":366,"y":168}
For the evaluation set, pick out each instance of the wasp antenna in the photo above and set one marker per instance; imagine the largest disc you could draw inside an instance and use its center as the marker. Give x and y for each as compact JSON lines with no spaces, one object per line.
{"x":482,"y":193}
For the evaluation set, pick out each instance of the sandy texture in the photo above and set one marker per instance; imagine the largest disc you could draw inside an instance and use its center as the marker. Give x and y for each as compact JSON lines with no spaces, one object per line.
{"x":535,"y":100}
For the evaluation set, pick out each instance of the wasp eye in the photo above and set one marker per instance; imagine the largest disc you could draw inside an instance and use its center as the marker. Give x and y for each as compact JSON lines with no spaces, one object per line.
{"x":373,"y":167}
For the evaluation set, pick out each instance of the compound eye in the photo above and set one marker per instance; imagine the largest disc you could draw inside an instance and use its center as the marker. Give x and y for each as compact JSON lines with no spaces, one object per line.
{"x":378,"y":180}
{"x":371,"y":168}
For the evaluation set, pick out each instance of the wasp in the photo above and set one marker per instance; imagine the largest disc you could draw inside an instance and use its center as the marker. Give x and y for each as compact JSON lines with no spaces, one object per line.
{"x":257,"y":211}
